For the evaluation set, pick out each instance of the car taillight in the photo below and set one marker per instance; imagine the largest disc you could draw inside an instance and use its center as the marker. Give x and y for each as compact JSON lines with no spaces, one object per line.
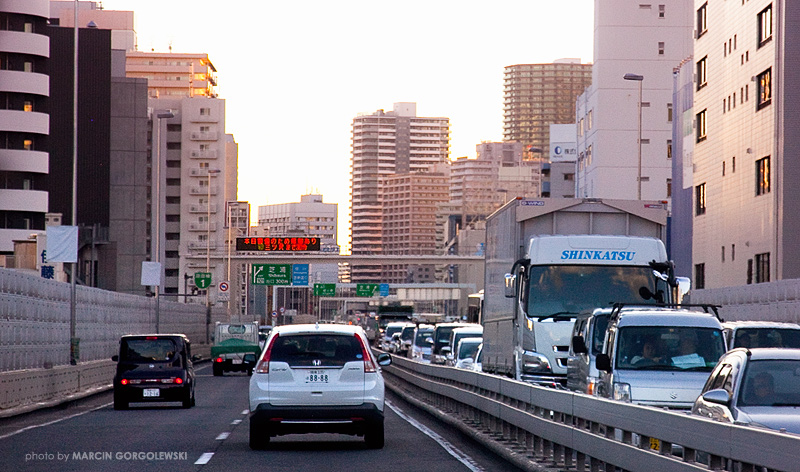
{"x":178,"y":380}
{"x":218,"y":359}
{"x":124,"y":381}
{"x":369,"y":366}
{"x":263,"y":365}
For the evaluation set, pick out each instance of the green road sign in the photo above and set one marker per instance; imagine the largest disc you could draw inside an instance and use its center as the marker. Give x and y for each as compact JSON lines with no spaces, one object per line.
{"x":202,"y":280}
{"x":324,"y":290}
{"x":366,"y":290}
{"x":272,"y":274}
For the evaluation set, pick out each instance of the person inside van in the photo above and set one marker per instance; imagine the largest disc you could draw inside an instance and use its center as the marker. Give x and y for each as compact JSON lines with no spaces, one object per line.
{"x":650,"y":354}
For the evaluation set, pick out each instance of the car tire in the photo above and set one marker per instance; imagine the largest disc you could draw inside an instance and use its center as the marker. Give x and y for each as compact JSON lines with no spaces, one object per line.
{"x":217,"y":369}
{"x":120,"y":403}
{"x":259,"y":439}
{"x":374,"y":436}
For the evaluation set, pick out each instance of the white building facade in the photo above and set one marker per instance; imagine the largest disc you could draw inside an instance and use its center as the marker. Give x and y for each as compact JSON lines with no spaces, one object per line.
{"x":645,"y":40}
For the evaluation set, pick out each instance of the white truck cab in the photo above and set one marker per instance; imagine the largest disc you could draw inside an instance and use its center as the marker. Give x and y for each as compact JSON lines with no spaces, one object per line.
{"x":658,"y":356}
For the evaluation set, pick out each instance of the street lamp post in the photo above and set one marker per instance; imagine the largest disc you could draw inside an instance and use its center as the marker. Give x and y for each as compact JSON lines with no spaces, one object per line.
{"x":157,"y":167}
{"x":640,"y":79}
{"x":208,"y":256}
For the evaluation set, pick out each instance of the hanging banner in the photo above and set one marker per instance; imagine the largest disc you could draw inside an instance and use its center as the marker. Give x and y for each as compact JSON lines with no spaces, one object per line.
{"x":62,"y":244}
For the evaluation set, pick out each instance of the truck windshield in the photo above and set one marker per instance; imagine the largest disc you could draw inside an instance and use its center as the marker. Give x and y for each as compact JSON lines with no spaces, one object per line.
{"x":669,"y":348}
{"x":569,"y":290}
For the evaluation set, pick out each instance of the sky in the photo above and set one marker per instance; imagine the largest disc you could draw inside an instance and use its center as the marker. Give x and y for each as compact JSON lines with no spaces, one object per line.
{"x":294,"y":74}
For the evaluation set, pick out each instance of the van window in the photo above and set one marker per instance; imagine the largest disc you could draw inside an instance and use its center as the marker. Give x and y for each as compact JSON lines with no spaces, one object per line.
{"x":766,"y":337}
{"x":148,"y":350}
{"x":599,"y":333}
{"x":668,"y":348}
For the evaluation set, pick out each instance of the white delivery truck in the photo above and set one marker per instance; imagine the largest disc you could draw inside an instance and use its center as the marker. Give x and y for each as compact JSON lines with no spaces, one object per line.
{"x":547,"y":260}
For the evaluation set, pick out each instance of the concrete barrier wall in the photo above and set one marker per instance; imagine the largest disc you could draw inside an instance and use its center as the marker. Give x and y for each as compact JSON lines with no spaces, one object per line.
{"x":35,"y":321}
{"x":772,"y":301}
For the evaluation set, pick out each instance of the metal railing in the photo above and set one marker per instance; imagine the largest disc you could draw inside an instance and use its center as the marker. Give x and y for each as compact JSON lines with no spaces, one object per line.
{"x":579,"y":432}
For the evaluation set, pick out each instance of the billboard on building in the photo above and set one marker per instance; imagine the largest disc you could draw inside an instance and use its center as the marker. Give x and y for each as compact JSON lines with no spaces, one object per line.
{"x":563,"y":143}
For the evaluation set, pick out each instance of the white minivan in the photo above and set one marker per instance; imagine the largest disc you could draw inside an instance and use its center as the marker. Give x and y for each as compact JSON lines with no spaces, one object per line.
{"x":658,"y":356}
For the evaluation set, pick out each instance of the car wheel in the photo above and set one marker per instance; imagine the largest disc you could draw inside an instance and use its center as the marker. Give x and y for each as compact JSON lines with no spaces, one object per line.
{"x":217,"y":369}
{"x":259,"y":439}
{"x":374,"y":436}
{"x":120,"y":403}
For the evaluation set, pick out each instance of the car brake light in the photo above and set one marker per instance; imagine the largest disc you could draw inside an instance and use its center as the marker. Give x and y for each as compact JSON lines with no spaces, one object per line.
{"x":178,"y":380}
{"x":369,"y":366}
{"x":263,"y":365}
{"x":218,"y":359}
{"x":124,"y":381}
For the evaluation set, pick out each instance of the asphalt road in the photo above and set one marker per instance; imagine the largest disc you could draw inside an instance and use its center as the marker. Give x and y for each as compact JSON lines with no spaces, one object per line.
{"x":89,"y":435}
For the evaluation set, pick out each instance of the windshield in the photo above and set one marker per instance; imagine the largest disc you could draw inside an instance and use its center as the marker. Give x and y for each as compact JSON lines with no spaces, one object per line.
{"x":774,"y":382}
{"x":767,"y":337}
{"x":148,"y":350}
{"x":407,"y":333}
{"x":422,"y":335}
{"x":468,"y":350}
{"x":569,"y":289}
{"x":669,"y":348}
{"x":391,"y":330}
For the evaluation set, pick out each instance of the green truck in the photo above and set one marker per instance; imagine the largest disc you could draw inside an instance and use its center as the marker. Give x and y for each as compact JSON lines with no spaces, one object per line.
{"x":235,"y":348}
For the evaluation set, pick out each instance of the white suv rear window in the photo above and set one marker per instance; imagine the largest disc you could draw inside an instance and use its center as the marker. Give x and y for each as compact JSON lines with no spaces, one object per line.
{"x":332,"y":350}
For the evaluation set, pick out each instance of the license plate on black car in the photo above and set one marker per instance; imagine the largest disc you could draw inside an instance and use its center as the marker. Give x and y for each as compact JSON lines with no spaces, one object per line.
{"x":151,"y":393}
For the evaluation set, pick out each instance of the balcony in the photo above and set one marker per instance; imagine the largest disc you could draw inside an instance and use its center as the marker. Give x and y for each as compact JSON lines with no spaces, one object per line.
{"x":205,"y":227}
{"x":197,"y":244}
{"x":204,"y":136}
{"x":203,"y":154}
{"x":201,"y":208}
{"x":200,"y":172}
{"x":203,"y":190}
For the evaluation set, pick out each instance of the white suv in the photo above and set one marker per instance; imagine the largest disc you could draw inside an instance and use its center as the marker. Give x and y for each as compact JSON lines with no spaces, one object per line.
{"x":320,"y":378}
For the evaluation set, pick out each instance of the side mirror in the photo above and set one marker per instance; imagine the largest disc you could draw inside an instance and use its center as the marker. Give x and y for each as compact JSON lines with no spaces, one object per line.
{"x":445,"y":350}
{"x":510,"y":285}
{"x":578,"y":345}
{"x":718,"y":395}
{"x":603,"y":362}
{"x":384,"y":359}
{"x":115,"y":358}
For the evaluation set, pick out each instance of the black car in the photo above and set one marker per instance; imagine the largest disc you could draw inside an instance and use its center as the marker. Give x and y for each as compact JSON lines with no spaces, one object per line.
{"x":154,"y":368}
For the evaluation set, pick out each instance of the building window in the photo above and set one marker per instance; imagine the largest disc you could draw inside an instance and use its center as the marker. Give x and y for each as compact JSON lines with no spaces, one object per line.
{"x":669,"y":149}
{"x":205,"y":111}
{"x":700,"y":199}
{"x":173,"y":127}
{"x":765,"y":25}
{"x":762,"y":268}
{"x":723,"y":253}
{"x":764,"y":82}
{"x":733,"y":164}
{"x":669,"y":112}
{"x":702,"y":77}
{"x":589,"y":120}
{"x":569,"y":177}
{"x":662,"y":11}
{"x":669,"y":188}
{"x":27,"y":144}
{"x":660,"y":48}
{"x":702,"y":19}
{"x":762,"y":176}
{"x":733,"y":252}
{"x":699,"y":276}
{"x":701,"y":126}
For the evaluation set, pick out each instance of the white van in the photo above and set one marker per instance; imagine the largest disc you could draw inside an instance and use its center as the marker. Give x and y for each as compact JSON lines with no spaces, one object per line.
{"x":658,"y":356}
{"x":588,"y":335}
{"x":467,"y":331}
{"x":751,"y":334}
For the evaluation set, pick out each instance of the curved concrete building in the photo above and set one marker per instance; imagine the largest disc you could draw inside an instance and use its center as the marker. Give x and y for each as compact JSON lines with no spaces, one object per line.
{"x":24,"y":121}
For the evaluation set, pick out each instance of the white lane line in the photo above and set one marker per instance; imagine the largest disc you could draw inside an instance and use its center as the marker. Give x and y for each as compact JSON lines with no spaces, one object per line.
{"x":236,"y":421}
{"x":53,"y":422}
{"x":452,"y":450}
{"x":222,"y":436}
{"x":204,"y":458}
{"x":244,"y":412}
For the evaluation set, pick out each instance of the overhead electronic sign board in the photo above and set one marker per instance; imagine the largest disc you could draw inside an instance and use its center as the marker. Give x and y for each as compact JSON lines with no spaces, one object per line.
{"x":278,"y":244}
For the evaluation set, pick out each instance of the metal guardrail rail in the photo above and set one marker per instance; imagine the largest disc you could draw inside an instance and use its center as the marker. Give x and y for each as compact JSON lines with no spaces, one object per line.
{"x":573,"y":431}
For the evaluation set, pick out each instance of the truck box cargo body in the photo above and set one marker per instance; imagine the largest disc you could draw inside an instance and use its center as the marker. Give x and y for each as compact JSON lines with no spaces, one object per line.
{"x":549,"y":259}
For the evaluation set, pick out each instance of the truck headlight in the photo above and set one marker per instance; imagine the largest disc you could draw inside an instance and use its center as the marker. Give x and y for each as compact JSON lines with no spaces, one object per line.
{"x":533,"y":362}
{"x":622,"y":392}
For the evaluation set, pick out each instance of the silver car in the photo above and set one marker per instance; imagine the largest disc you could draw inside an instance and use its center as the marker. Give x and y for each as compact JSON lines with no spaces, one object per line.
{"x":317,"y":378}
{"x":756,"y":387}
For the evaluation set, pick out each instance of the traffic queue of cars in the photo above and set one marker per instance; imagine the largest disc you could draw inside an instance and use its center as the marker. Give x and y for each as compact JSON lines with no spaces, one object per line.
{"x":743,"y":372}
{"x":454,"y":344}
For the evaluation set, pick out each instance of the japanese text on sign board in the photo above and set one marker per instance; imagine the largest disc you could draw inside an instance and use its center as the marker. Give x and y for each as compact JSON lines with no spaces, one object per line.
{"x":277,"y":244}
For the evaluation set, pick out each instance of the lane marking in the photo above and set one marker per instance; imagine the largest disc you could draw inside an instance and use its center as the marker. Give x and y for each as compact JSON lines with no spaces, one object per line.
{"x":236,"y":421}
{"x":204,"y":458}
{"x":54,"y":421}
{"x":446,"y":445}
{"x":222,"y":436}
{"x":244,"y":412}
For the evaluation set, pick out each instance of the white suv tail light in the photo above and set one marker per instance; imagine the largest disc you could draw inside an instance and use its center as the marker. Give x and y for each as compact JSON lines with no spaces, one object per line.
{"x":369,"y":364}
{"x":263,"y":365}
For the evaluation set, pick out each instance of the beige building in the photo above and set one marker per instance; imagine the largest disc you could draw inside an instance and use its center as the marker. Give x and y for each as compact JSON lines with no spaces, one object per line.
{"x":174,"y":75}
{"x":383,"y":144}
{"x":745,"y":214}
{"x":409,"y":204}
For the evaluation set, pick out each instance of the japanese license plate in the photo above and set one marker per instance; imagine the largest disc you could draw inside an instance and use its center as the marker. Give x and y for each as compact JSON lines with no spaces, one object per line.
{"x":151,"y":392}
{"x":655,"y":444}
{"x":316,"y":376}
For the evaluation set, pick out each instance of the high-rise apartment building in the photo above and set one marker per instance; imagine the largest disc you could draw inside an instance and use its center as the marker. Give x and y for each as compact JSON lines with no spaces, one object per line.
{"x":745,"y":206}
{"x":409,"y":204}
{"x":538,"y":95}
{"x":642,"y":42}
{"x":174,"y":75}
{"x":383,"y":144}
{"x":24,"y":119}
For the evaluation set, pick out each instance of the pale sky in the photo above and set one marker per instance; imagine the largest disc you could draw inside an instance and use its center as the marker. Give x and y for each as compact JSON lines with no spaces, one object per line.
{"x":294,"y":74}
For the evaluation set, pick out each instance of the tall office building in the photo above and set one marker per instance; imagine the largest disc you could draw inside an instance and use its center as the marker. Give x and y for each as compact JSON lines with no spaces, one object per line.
{"x":383,"y":144}
{"x":24,"y":119}
{"x":644,"y":42}
{"x":536,"y":96}
{"x":409,"y":204}
{"x":173,"y":75}
{"x":310,"y":217}
{"x":746,"y":205}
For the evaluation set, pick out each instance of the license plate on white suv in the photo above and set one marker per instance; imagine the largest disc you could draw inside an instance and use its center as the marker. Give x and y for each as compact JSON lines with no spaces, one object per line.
{"x":316,"y":376}
{"x":151,"y":393}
